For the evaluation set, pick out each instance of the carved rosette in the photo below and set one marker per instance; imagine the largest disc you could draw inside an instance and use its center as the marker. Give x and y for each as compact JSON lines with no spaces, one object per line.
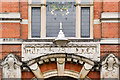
{"x":11,"y":67}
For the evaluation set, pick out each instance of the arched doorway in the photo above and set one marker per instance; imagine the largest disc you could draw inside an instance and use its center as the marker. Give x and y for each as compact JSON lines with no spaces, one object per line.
{"x":61,"y":78}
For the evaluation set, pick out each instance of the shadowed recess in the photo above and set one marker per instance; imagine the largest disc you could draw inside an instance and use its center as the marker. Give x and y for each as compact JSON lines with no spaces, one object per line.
{"x":61,"y":78}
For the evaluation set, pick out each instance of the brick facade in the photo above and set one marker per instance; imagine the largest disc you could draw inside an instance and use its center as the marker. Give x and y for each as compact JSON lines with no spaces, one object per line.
{"x":17,"y":30}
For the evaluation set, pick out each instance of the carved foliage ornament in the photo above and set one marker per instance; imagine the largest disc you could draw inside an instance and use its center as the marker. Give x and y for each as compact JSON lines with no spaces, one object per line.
{"x":11,"y":67}
{"x":110,"y":67}
{"x":110,"y":62}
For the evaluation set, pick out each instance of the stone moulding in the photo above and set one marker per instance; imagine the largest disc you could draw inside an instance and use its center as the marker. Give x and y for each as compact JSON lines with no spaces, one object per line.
{"x":60,"y":59}
{"x":53,"y":57}
{"x":10,"y":15}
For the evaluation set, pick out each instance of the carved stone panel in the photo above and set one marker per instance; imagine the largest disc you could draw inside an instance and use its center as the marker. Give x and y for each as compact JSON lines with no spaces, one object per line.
{"x":11,"y":67}
{"x":110,"y":68}
{"x":90,"y":50}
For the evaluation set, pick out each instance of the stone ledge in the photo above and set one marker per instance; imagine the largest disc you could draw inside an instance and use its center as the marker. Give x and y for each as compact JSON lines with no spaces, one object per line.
{"x":110,"y":15}
{"x":10,"y":16}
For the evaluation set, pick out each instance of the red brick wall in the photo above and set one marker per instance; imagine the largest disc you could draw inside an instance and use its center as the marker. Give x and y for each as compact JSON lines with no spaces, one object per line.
{"x":74,"y":67}
{"x":24,"y":15}
{"x":97,"y":15}
{"x":97,"y":31}
{"x":24,"y":31}
{"x":97,"y":9}
{"x":14,"y":30}
{"x":107,"y":49}
{"x":105,"y":30}
{"x":94,"y":75}
{"x":10,"y":30}
{"x":47,"y":67}
{"x":6,"y":49}
{"x":24,"y":9}
{"x":111,"y":6}
{"x":110,"y":30}
{"x":28,"y":75}
{"x":10,"y":6}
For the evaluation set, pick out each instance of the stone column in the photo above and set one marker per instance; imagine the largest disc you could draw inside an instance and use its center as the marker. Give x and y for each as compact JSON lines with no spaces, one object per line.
{"x":11,"y":67}
{"x":43,"y":18}
{"x":110,"y":68}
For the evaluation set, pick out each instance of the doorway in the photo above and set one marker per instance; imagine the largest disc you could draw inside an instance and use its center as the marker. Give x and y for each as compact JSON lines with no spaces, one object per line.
{"x":61,"y":78}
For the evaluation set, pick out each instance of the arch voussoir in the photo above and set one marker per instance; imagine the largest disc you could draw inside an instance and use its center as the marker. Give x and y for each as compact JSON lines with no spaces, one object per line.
{"x":60,"y":60}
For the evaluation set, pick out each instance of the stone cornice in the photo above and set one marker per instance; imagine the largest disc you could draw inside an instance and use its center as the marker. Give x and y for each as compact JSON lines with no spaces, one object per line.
{"x":34,"y":41}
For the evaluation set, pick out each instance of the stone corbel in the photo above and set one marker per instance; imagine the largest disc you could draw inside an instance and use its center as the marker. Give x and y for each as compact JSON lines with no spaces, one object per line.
{"x":11,"y":67}
{"x":60,"y":66}
{"x":36,"y":71}
{"x":85,"y":70}
{"x":110,"y":67}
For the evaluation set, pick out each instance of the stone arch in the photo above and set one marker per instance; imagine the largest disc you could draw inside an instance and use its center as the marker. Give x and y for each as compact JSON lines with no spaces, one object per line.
{"x":60,"y":59}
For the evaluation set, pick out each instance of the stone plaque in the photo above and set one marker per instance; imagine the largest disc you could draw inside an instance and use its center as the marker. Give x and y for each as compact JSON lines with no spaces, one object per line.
{"x":88,"y":50}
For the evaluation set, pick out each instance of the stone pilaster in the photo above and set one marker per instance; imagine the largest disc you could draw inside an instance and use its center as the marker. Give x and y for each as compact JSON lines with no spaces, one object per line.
{"x":43,"y":18}
{"x":78,"y":14}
